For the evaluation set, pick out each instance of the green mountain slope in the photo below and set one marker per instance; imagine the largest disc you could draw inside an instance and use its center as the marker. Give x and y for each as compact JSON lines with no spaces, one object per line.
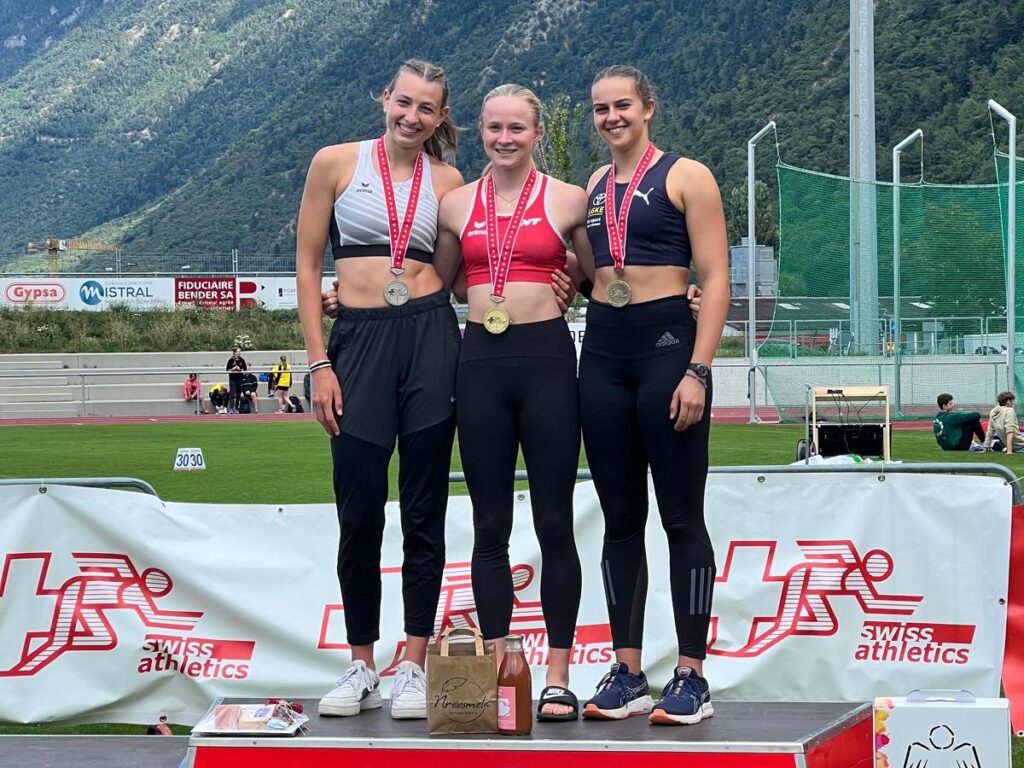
{"x":183,"y":129}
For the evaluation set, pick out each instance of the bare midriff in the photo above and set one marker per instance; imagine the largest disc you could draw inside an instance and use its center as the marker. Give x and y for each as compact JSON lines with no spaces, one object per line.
{"x":524,"y":302}
{"x":645,"y":283}
{"x":361,"y":280}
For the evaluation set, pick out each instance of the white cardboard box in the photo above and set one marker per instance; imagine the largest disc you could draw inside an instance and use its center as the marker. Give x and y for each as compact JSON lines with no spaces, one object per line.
{"x":935,"y":729}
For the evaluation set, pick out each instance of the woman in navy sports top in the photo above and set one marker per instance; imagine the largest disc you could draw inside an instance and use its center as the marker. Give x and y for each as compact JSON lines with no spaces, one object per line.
{"x":516,"y":383}
{"x":645,"y":388}
{"x":389,"y":371}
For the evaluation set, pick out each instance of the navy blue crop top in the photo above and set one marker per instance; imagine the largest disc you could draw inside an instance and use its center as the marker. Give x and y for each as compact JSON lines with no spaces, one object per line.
{"x":656,"y":234}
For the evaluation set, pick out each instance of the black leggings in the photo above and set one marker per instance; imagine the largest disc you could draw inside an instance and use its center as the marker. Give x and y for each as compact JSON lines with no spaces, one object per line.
{"x":361,"y":491}
{"x":234,"y":392}
{"x":519,"y":389}
{"x":633,"y":359}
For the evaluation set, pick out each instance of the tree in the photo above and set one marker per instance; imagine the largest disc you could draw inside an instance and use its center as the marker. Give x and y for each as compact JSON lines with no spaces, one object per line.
{"x":563,"y":119}
{"x":766,"y":216}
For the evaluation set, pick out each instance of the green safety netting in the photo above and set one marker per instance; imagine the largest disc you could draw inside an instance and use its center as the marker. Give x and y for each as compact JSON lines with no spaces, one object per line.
{"x":952,"y":302}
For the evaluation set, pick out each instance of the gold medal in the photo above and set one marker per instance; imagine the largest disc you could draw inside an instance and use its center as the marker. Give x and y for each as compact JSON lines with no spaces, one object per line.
{"x":496,"y":320}
{"x":618,"y":293}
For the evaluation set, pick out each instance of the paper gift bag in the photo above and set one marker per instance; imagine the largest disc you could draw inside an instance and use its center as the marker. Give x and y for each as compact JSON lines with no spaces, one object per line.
{"x":462,"y":684}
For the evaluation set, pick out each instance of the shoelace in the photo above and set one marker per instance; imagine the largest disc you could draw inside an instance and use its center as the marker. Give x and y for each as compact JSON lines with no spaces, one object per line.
{"x":354,"y":678}
{"x":678,"y":684}
{"x":409,"y":678}
{"x":612,"y":679}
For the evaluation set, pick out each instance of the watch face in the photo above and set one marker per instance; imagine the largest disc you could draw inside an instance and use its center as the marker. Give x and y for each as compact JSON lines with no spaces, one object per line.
{"x":701,"y":370}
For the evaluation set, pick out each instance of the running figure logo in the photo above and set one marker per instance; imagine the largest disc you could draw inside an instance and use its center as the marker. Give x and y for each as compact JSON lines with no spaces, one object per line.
{"x":830,"y":570}
{"x":107,"y":582}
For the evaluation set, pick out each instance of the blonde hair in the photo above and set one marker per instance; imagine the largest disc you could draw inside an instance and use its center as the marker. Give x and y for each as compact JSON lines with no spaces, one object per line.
{"x":514,"y":91}
{"x":444,"y":142}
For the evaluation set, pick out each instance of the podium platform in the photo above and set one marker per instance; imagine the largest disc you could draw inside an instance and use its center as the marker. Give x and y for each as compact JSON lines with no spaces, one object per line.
{"x":741,"y":734}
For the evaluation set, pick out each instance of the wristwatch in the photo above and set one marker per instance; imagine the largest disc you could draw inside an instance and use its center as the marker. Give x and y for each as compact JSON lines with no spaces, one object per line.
{"x":702,"y":371}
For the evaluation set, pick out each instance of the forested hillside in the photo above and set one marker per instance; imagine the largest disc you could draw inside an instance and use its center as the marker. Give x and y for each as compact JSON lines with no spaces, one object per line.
{"x":185,"y":128}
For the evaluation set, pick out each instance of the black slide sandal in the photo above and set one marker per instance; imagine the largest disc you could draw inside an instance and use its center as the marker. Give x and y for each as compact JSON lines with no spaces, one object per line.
{"x":556,"y":694}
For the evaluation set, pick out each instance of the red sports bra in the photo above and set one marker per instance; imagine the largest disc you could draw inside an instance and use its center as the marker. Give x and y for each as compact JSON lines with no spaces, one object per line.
{"x":539,"y":249}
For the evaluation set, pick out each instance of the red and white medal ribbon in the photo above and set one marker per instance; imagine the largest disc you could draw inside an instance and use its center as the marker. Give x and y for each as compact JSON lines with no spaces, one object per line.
{"x":616,"y":224}
{"x":499,"y":260}
{"x":400,"y":235}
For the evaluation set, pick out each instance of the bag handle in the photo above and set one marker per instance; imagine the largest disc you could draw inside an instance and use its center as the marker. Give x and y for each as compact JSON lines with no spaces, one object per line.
{"x":471,"y":631}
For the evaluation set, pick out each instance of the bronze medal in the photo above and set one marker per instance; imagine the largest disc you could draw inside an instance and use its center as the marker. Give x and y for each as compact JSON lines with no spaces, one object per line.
{"x":615,"y":224}
{"x":618,"y":293}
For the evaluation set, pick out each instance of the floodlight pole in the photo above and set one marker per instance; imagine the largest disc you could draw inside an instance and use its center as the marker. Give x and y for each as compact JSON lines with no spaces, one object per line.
{"x":752,"y":274}
{"x":918,"y":134}
{"x":1011,"y":244}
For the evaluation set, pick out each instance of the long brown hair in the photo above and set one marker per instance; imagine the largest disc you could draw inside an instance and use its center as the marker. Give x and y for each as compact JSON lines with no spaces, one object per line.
{"x":444,"y":142}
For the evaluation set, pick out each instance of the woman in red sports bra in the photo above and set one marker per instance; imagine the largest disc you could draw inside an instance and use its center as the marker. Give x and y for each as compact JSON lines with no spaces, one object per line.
{"x":516,"y":381}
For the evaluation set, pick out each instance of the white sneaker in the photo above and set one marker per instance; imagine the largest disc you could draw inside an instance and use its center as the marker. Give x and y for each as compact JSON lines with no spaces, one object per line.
{"x":977,"y":447}
{"x":409,"y":692}
{"x":356,"y":690}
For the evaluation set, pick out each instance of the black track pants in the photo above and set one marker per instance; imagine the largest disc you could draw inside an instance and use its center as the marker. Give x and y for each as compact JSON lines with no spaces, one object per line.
{"x":633,"y":359}
{"x":519,"y":389}
{"x":361,"y":491}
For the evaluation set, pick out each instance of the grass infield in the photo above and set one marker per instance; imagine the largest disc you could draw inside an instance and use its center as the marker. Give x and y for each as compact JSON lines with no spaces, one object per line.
{"x":288,"y":461}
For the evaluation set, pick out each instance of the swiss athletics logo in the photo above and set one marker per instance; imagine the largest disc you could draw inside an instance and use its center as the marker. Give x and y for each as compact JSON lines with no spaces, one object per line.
{"x":80,"y":620}
{"x":457,"y":608}
{"x":809,"y":590}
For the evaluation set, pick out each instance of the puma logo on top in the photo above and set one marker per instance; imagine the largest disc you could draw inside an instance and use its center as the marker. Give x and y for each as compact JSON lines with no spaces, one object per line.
{"x":643,"y":195}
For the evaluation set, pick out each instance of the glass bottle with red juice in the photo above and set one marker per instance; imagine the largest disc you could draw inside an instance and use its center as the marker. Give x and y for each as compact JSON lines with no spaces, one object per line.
{"x":515,"y":690}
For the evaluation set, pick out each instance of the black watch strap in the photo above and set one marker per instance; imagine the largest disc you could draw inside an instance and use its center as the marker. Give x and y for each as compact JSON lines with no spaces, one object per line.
{"x":700,"y":369}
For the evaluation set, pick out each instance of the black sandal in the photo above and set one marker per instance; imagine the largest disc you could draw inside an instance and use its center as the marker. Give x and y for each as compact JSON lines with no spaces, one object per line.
{"x":556,"y":694}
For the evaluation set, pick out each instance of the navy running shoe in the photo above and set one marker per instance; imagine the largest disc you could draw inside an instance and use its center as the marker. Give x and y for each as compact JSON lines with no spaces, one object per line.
{"x":619,"y":695}
{"x":686,"y":700}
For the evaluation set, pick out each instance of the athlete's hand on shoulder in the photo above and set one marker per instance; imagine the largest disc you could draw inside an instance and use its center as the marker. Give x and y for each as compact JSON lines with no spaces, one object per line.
{"x":329,"y":299}
{"x":688,"y":403}
{"x":327,"y":400}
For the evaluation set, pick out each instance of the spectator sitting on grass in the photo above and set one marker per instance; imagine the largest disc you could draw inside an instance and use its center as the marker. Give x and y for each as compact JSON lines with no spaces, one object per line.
{"x":1003,"y":429}
{"x":954,"y":430}
{"x":193,"y":390}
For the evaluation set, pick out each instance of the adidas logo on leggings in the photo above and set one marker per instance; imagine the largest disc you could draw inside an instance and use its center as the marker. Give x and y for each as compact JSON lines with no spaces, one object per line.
{"x":666,"y":340}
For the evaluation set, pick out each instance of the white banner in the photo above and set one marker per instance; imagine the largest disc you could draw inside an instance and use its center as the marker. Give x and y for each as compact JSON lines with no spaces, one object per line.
{"x":88,"y":293}
{"x":116,"y":606}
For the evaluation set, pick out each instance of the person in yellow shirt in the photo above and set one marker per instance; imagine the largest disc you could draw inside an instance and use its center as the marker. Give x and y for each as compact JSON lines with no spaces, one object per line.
{"x":219,"y":395}
{"x":281,"y":375}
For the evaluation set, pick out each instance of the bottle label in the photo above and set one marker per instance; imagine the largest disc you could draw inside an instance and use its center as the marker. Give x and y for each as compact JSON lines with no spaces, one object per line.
{"x":506,"y":708}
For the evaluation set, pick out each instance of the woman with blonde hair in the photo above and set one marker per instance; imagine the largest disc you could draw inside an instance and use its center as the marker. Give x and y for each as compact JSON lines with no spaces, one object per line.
{"x":505,"y":235}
